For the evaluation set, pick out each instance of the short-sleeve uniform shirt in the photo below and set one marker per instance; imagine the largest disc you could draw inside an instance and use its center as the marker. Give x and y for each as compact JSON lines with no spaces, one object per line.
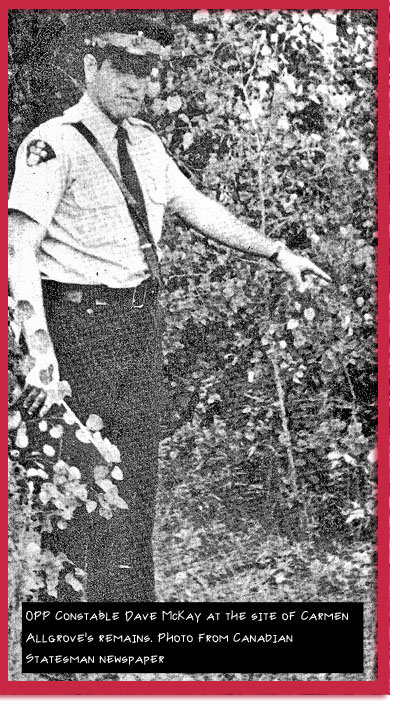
{"x":90,"y":237}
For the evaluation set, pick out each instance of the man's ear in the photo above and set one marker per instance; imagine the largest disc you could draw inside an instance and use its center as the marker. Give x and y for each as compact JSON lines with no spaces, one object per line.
{"x":91,"y":68}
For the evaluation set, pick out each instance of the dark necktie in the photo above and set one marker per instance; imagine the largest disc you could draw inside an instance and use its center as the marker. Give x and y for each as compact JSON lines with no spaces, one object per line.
{"x":131,"y":180}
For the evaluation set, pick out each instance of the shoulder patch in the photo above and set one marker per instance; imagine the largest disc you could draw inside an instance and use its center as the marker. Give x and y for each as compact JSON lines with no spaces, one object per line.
{"x":38,"y":151}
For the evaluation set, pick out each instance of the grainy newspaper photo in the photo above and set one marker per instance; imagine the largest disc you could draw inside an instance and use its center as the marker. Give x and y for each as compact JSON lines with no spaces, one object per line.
{"x":192,"y":371}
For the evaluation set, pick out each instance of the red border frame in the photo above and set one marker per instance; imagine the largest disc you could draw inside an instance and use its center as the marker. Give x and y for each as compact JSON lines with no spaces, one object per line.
{"x":250,"y":688}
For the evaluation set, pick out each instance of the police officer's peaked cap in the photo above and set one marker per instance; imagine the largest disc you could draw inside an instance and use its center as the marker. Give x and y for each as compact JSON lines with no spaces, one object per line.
{"x":141,"y":27}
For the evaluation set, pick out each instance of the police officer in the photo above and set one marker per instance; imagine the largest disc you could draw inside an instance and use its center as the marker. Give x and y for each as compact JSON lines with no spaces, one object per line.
{"x":85,"y":256}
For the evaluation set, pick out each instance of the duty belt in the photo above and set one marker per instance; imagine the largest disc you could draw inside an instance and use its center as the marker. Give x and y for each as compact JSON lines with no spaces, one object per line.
{"x":91,"y":295}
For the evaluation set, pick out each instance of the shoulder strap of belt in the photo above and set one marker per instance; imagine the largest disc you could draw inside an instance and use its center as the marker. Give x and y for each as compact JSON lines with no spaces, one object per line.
{"x":146,"y":239}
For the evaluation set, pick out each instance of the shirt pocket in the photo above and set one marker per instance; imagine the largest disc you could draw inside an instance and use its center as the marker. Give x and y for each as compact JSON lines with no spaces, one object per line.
{"x":96,"y":191}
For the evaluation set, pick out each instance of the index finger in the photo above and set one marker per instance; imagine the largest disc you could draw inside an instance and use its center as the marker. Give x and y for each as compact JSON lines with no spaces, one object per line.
{"x":316,"y":270}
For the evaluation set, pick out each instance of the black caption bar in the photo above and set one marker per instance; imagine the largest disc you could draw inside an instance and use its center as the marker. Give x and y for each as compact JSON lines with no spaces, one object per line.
{"x":191,"y":637}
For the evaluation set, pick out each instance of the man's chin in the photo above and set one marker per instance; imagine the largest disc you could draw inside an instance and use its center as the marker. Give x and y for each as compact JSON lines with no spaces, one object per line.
{"x":123,"y":111}
{"x":129,"y":107}
{"x":127,"y":114}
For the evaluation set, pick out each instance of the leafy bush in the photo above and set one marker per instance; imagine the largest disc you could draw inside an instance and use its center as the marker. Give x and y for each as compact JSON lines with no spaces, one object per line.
{"x":46,"y":490}
{"x":278,"y":390}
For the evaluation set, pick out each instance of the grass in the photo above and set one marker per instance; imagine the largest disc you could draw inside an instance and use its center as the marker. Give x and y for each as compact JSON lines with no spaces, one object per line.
{"x":219,"y":565}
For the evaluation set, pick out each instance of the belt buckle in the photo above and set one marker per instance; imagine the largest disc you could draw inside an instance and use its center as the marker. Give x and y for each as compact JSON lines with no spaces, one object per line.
{"x":135,"y":304}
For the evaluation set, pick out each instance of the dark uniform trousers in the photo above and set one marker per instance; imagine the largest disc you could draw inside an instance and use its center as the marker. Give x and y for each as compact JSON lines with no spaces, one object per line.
{"x":111,"y":356}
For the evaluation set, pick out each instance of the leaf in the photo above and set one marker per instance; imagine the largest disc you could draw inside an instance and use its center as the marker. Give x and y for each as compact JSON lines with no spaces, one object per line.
{"x":283,"y":124}
{"x":334,"y":455}
{"x":108,"y":451}
{"x":56,"y":432}
{"x":91,"y":506}
{"x":289,"y":80}
{"x":158,"y":106}
{"x":64,"y":389}
{"x":100,"y":472}
{"x":355,"y":515}
{"x":40,"y":341}
{"x":299,"y":339}
{"x":44,"y":496}
{"x":106,"y":485}
{"x":26,"y":364}
{"x":51,"y":586}
{"x":201,"y":16}
{"x":80,"y":491}
{"x":14,"y":419}
{"x":323,"y":89}
{"x":120,"y":503}
{"x":46,"y":375}
{"x":21,"y":440}
{"x":83,"y":436}
{"x":187,"y":140}
{"x":363,"y":164}
{"x":263,"y":88}
{"x":173,"y":103}
{"x":299,"y":375}
{"x":69,"y":418}
{"x":23,"y":311}
{"x":74,"y":582}
{"x":74,"y":474}
{"x":94,"y":423}
{"x":48,"y":450}
{"x":37,"y":472}
{"x":280,"y":578}
{"x":117,"y":474}
{"x":328,"y":362}
{"x":194,"y":542}
{"x":105,"y":513}
{"x":32,"y":549}
{"x":316,"y":37}
{"x":346,"y":320}
{"x":61,"y":467}
{"x":256,"y":109}
{"x":309,"y":314}
{"x":114,"y":454}
{"x":181,"y":577}
{"x":350,"y":460}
